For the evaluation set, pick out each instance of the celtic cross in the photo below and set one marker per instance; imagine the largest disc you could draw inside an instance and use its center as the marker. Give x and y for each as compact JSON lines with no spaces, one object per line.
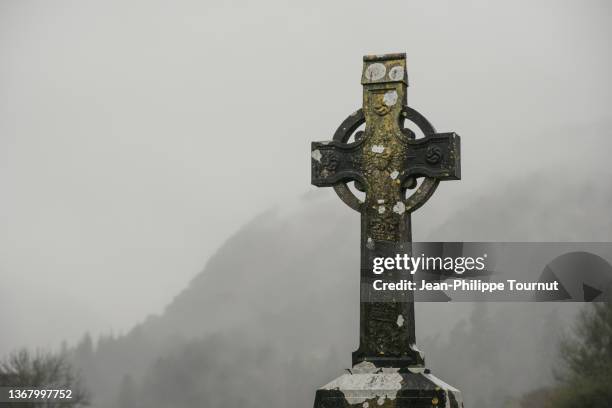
{"x":384,"y":161}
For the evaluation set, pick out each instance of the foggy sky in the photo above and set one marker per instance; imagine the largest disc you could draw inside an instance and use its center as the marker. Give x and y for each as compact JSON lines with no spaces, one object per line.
{"x":136,"y":136}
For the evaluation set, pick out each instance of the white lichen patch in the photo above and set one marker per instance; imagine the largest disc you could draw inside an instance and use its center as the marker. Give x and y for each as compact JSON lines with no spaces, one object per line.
{"x":365,"y":404}
{"x":375,"y":71}
{"x":439,"y":382}
{"x":390,"y":98}
{"x":364,"y":367}
{"x":316,"y":154}
{"x":396,"y":73}
{"x":380,"y":201}
{"x":414,"y":347}
{"x":370,"y":243}
{"x":448,"y":388}
{"x":378,"y":148}
{"x":394,"y":174}
{"x":359,"y":388}
{"x":381,"y":209}
{"x":399,"y":208}
{"x":381,"y":401}
{"x":400,"y":321}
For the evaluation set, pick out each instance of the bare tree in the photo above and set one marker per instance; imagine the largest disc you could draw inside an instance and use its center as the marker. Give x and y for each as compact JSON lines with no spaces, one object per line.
{"x":42,"y":370}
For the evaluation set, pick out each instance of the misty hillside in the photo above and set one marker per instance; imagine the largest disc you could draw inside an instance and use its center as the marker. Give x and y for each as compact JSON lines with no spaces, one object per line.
{"x":274,"y":314}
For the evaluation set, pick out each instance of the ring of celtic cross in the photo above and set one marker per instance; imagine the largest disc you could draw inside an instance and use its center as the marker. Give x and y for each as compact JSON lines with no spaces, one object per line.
{"x":348,"y":127}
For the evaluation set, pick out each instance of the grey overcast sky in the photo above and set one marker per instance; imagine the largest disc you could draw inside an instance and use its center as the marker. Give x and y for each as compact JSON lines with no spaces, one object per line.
{"x":135,"y":136}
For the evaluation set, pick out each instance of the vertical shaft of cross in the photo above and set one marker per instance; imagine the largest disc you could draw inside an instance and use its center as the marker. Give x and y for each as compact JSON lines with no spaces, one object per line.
{"x":387,"y":323}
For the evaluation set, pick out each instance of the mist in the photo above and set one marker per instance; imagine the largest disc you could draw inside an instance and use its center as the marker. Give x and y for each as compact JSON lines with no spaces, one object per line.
{"x":138,"y":139}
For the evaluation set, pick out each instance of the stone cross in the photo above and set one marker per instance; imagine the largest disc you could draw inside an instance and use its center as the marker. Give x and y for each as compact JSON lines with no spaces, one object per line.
{"x":385,"y":161}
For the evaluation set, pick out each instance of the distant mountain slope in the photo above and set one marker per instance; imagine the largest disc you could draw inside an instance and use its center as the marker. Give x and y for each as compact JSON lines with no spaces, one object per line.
{"x":277,"y":304}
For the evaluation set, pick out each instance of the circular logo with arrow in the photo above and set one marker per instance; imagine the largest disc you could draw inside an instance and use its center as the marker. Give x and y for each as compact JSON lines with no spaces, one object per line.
{"x":581,"y":276}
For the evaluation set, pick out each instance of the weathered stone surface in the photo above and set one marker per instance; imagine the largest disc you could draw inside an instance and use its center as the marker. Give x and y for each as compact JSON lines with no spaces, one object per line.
{"x":384,"y":161}
{"x":388,"y":388}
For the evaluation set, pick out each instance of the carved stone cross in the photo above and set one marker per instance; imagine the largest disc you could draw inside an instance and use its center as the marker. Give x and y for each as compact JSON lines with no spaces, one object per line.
{"x":385,"y":161}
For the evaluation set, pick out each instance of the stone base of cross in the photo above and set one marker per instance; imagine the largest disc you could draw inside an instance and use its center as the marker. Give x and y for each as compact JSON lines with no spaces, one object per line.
{"x":367,"y":386}
{"x":385,"y":160}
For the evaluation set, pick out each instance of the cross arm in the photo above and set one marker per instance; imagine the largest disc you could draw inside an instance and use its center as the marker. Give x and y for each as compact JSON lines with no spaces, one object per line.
{"x":436,"y":155}
{"x":334,"y":162}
